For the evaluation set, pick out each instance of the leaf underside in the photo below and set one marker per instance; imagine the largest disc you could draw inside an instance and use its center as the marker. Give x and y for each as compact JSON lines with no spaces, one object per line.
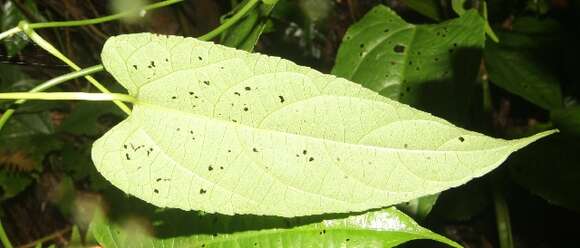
{"x":226,"y":131}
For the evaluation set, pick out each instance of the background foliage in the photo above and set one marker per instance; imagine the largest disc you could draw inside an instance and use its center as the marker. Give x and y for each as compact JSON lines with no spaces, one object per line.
{"x":518,"y":86}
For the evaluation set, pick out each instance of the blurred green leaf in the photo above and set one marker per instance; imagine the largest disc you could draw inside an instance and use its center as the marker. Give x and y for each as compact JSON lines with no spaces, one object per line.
{"x":143,"y":224}
{"x":246,"y":32}
{"x":517,"y":71}
{"x":12,"y":183}
{"x":85,"y":119}
{"x":462,"y":203}
{"x":567,"y":119}
{"x":427,"y":66}
{"x":428,"y":8}
{"x":10,"y":17}
{"x":550,"y":169}
{"x":76,"y":162}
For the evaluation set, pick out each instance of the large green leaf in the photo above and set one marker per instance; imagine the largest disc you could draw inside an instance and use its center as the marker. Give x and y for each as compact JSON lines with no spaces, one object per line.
{"x":522,"y":73}
{"x":430,"y":67}
{"x":149,"y":227}
{"x":222,"y":130}
{"x":551,"y":169}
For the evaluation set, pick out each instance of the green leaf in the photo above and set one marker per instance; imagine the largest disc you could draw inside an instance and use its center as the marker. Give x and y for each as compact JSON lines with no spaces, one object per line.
{"x":550,"y":169}
{"x":460,"y":9}
{"x":519,"y":72}
{"x":567,"y":119}
{"x":222,"y":130}
{"x":85,"y":118}
{"x":12,"y":183}
{"x":419,"y":208}
{"x":10,"y":18}
{"x":427,"y":66}
{"x":246,"y":32}
{"x":382,"y":228}
{"x":428,"y":8}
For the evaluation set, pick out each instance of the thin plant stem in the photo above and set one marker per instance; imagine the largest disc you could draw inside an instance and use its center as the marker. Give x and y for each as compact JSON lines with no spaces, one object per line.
{"x":4,"y":238}
{"x":9,"y":32}
{"x":48,"y":84}
{"x":52,"y":50}
{"x":98,"y":20}
{"x":68,"y":96}
{"x":502,"y":215}
{"x":231,"y":21}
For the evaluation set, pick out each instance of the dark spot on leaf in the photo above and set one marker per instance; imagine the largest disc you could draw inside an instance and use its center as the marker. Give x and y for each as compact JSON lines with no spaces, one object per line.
{"x":360,"y":54}
{"x":436,"y":59}
{"x":337,"y":159}
{"x":461,"y":139}
{"x":178,"y":129}
{"x":254,"y":149}
{"x":234,"y":121}
{"x":304,"y":152}
{"x":418,"y":53}
{"x":210,"y":168}
{"x":200,"y":58}
{"x":156,"y":191}
{"x":201,"y":192}
{"x":202,"y":245}
{"x":125,"y":146}
{"x":206,"y":82}
{"x":127,"y":156}
{"x":191,"y":93}
{"x":237,"y":93}
{"x":248,"y":88}
{"x":399,"y":48}
{"x":221,"y":167}
{"x":158,"y":179}
{"x":347,"y":240}
{"x":256,"y":244}
{"x":408,"y":89}
{"x":362,"y":45}
{"x":386,"y":30}
{"x":310,"y":159}
{"x":229,"y":150}
{"x":393,"y":63}
{"x":135,"y":67}
{"x":221,"y":67}
{"x":152,"y":64}
{"x":454,"y":44}
{"x":246,"y":109}
{"x":173,"y":97}
{"x":281,"y":99}
{"x":406,"y":145}
{"x":417,"y":68}
{"x":166,"y":60}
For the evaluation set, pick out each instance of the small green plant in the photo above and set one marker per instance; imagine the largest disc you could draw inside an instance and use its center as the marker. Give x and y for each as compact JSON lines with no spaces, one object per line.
{"x":256,"y":148}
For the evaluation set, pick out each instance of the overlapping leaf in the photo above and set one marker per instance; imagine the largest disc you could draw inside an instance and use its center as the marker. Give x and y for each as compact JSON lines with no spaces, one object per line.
{"x":222,"y":130}
{"x":384,"y":228}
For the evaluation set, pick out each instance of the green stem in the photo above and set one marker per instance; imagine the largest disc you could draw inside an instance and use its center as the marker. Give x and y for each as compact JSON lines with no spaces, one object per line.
{"x":231,"y":21}
{"x":4,"y":238}
{"x":52,"y":50}
{"x":9,"y":32}
{"x":502,"y":215}
{"x":68,"y":96}
{"x":48,"y":84}
{"x":98,"y":20}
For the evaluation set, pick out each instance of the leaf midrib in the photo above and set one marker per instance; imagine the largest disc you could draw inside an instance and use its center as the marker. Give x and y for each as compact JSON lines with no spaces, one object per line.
{"x":391,"y":149}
